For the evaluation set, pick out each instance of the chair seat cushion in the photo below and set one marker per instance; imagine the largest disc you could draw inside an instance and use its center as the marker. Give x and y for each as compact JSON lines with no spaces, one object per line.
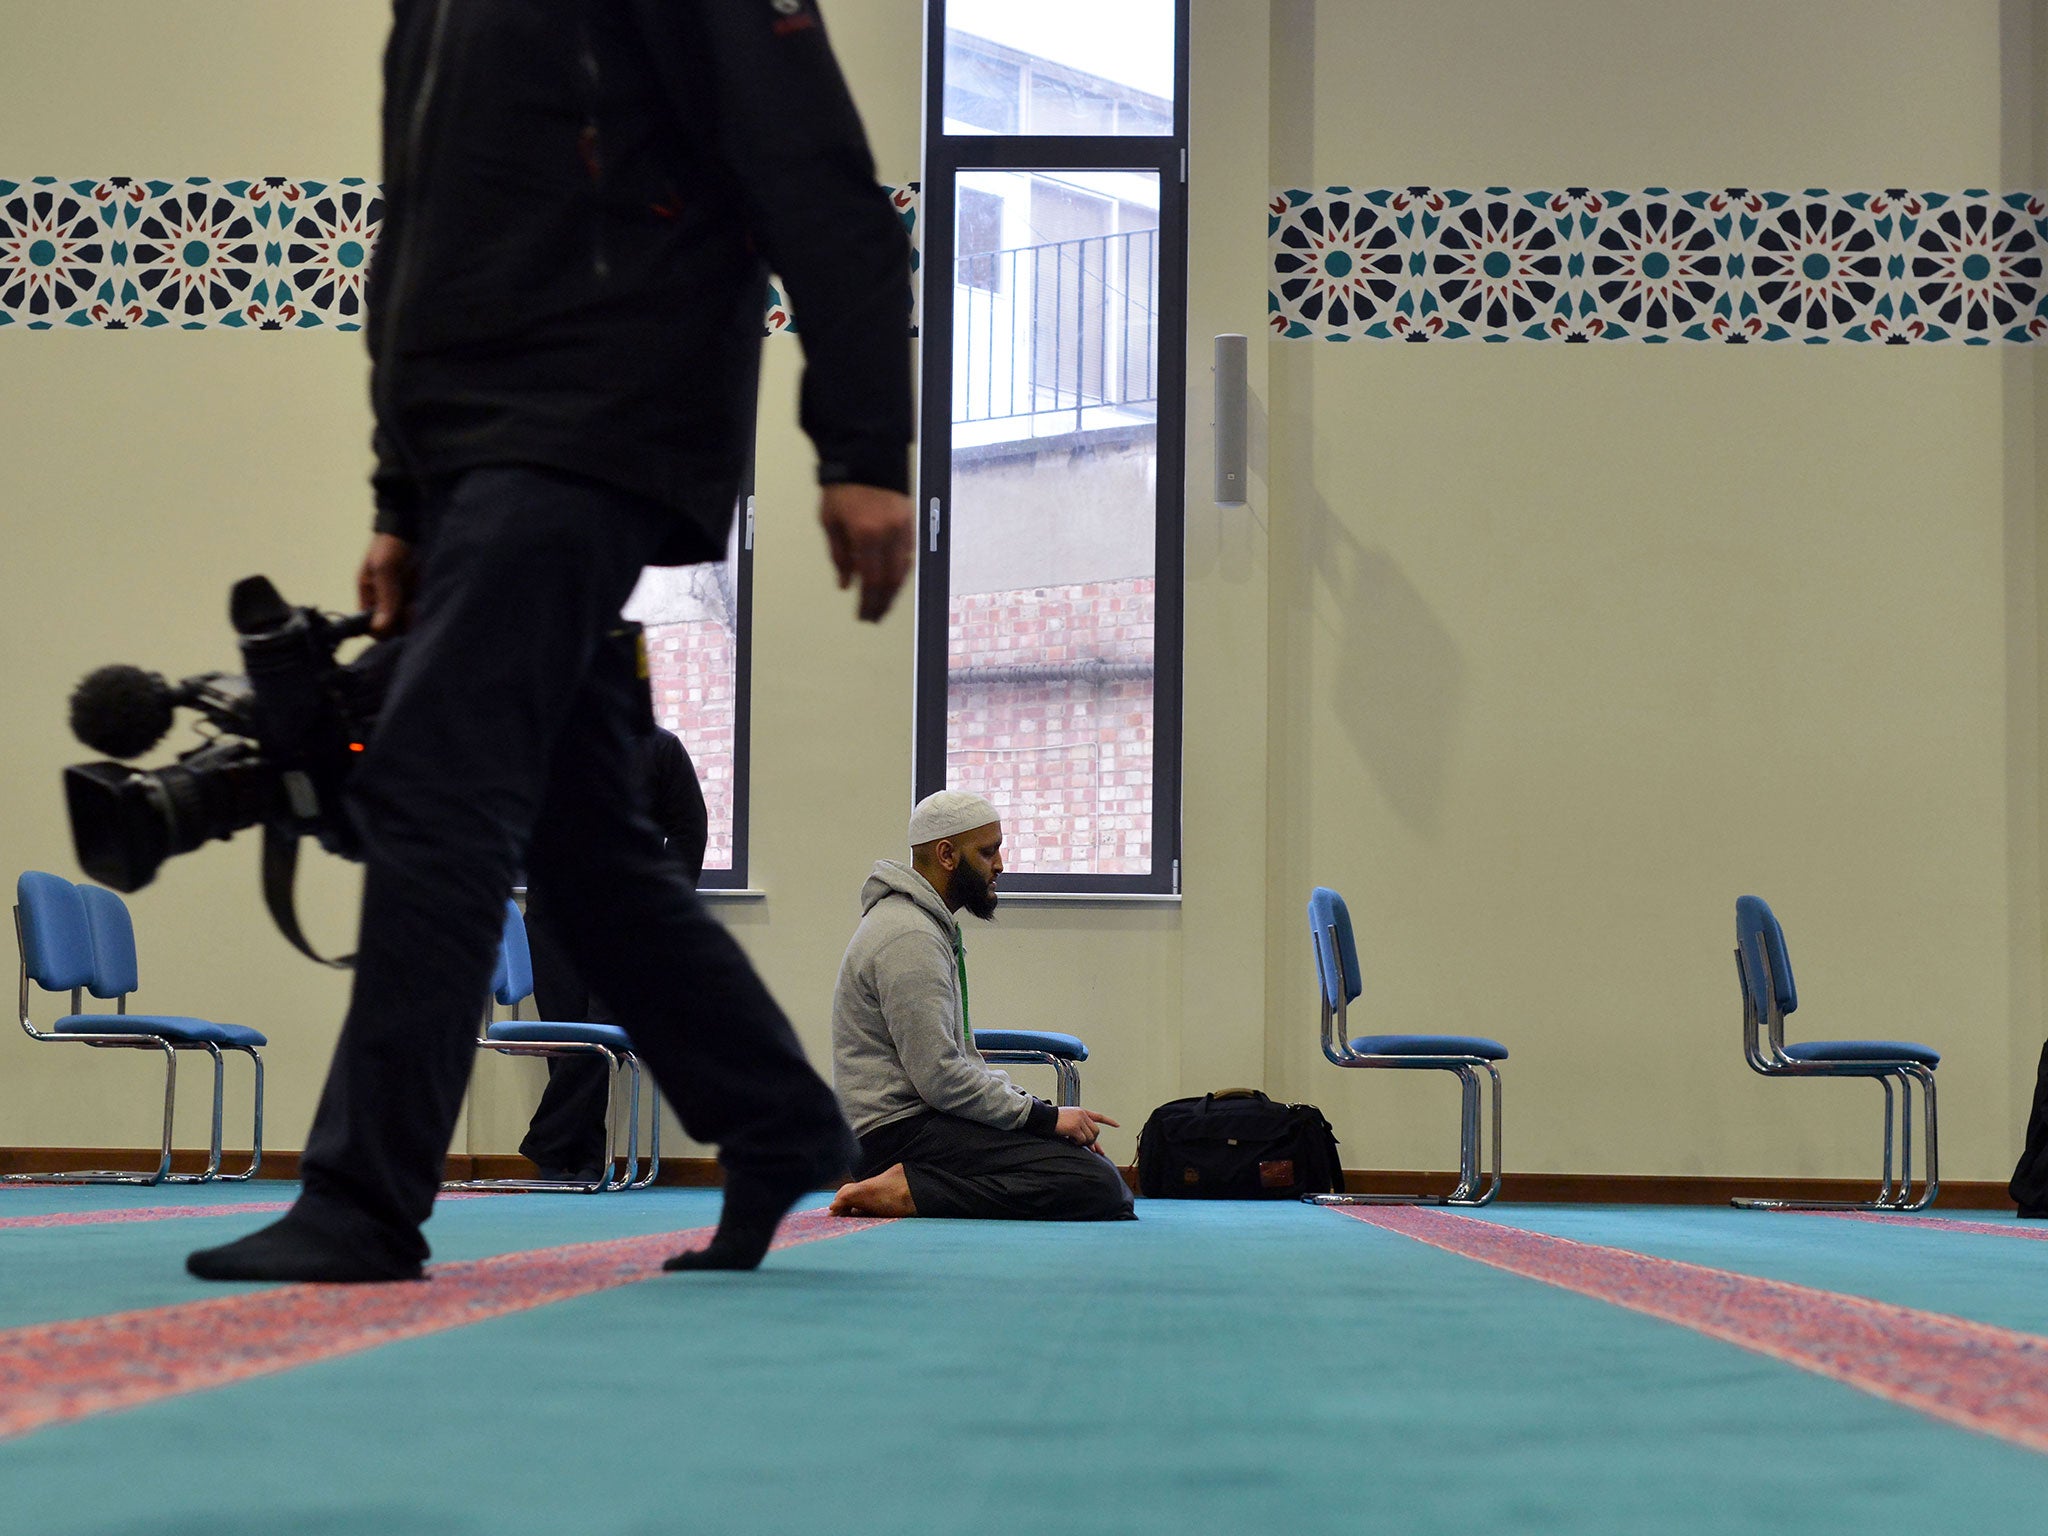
{"x":165,"y":1026}
{"x":1064,"y":1046}
{"x":1864,"y":1050}
{"x":516,"y":1031}
{"x":1430,"y":1045}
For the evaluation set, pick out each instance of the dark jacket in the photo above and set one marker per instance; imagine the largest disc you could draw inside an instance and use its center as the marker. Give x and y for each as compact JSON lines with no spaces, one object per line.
{"x":582,"y":201}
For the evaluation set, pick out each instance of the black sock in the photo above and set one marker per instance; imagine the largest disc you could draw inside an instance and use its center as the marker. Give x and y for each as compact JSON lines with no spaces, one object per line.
{"x":754,"y":1207}
{"x":296,"y":1248}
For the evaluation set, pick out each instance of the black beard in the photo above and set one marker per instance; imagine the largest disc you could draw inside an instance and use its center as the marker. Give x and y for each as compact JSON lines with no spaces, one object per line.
{"x":972,"y":892}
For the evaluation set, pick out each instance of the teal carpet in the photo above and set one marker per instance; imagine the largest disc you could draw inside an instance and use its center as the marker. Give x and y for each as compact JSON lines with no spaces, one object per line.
{"x":1244,"y":1369}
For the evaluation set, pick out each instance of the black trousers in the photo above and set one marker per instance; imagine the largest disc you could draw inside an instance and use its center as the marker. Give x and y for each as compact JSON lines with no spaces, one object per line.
{"x":568,"y":1128}
{"x":505,"y":740}
{"x":963,"y":1168}
{"x":2029,"y":1186}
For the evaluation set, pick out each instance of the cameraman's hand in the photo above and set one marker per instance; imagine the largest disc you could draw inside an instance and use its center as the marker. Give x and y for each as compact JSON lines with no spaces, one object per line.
{"x":1079,"y":1126}
{"x":384,"y":584}
{"x":871,"y":533}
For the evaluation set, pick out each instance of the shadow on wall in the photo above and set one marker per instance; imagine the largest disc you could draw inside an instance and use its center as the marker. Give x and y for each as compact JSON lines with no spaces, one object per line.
{"x":1397,"y":683}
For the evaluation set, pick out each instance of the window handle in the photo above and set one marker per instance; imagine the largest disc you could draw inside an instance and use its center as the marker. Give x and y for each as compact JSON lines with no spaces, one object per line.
{"x":935,"y":525}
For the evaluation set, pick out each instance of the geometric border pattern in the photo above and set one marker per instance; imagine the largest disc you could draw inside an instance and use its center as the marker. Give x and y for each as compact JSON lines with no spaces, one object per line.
{"x":1731,"y":266}
{"x":123,"y":253}
{"x":265,"y":253}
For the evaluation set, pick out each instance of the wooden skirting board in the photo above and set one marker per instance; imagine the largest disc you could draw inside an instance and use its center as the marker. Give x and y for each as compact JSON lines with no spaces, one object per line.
{"x":1531,"y":1188}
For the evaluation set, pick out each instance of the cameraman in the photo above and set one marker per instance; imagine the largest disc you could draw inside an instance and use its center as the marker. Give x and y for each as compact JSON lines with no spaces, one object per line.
{"x":581,"y":204}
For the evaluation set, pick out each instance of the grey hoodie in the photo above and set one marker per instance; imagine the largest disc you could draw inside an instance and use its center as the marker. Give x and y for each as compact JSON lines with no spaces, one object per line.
{"x":899,"y":1041}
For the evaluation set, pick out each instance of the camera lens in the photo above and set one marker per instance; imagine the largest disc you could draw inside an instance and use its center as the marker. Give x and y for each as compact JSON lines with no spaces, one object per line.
{"x":125,"y":823}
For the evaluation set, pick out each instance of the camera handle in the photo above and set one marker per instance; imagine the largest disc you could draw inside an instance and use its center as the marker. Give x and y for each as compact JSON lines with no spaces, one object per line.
{"x":280,"y":870}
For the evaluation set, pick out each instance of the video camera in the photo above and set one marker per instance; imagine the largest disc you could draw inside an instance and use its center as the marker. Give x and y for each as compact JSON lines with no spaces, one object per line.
{"x":285,"y":738}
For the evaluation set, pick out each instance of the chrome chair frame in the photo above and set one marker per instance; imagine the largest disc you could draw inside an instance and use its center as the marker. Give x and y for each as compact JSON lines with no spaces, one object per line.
{"x":169,"y":1050}
{"x":1066,"y":1073}
{"x":614,"y":1177}
{"x":1763,"y":1047}
{"x":1337,"y":1048}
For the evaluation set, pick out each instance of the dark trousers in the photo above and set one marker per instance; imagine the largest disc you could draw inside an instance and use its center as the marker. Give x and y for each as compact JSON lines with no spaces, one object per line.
{"x":963,"y":1168}
{"x":505,"y":740}
{"x":568,"y":1128}
{"x":2029,"y":1186}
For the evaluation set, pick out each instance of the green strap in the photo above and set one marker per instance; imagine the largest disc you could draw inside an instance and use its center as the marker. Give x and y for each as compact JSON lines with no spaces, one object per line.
{"x":960,"y":954}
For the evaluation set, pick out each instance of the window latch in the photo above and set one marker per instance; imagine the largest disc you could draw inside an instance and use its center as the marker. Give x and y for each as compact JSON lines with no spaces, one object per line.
{"x":935,"y":525}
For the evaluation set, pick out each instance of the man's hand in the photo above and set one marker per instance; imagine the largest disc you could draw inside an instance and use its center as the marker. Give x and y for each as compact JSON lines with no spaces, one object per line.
{"x":871,"y":533}
{"x":384,"y":584}
{"x":1079,"y":1126}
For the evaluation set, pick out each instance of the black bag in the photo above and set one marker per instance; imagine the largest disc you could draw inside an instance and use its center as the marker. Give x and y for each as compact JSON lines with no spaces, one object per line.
{"x":1237,"y":1145}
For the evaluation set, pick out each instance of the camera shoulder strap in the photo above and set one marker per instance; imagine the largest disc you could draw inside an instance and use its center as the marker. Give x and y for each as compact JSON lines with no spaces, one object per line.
{"x":280,"y":869}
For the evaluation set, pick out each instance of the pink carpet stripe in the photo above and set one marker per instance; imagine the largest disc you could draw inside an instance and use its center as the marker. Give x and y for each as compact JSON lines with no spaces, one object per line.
{"x":173,"y":1212}
{"x":141,"y":1213}
{"x":1943,"y":1223}
{"x":1992,"y":1380}
{"x":52,"y":1373}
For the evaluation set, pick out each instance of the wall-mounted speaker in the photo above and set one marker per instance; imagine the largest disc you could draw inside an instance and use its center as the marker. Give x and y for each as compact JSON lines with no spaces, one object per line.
{"x":1231,"y":363}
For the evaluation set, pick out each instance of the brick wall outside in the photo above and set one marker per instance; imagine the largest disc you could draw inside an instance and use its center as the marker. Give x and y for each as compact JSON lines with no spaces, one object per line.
{"x":692,"y":670}
{"x":1068,"y":763}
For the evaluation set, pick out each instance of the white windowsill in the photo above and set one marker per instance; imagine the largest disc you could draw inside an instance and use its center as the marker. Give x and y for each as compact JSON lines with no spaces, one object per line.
{"x":1090,"y":898}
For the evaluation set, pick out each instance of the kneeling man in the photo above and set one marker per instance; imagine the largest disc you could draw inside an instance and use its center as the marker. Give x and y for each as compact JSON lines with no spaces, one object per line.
{"x":942,"y":1133}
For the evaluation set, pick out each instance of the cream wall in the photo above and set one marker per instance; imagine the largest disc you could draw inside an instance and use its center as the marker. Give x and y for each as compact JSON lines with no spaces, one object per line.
{"x":1475,"y":653}
{"x":1572,"y":645}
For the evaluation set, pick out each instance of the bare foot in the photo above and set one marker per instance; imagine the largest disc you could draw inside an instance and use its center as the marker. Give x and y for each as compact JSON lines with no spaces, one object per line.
{"x":886,"y":1194}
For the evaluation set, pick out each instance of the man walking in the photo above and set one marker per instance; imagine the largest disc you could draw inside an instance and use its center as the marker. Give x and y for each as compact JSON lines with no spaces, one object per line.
{"x":581,"y":204}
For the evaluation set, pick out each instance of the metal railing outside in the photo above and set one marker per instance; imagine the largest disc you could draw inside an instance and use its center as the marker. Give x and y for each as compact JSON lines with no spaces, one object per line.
{"x":1070,"y":327}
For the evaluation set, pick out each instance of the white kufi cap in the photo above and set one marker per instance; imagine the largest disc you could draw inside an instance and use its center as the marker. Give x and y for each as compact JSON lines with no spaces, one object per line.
{"x":947,"y":814}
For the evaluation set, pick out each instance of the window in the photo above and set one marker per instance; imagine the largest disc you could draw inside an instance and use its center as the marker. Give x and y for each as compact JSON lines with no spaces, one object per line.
{"x":1049,"y":584}
{"x":699,"y":634}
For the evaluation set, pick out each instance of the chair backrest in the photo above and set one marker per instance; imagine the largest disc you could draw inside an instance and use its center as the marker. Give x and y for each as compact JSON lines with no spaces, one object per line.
{"x":116,"y":972}
{"x":56,"y":941}
{"x":1761,"y":940}
{"x":512,"y":980}
{"x":1337,"y":972}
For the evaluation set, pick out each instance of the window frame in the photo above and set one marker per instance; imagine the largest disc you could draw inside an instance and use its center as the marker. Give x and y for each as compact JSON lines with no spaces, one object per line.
{"x":734,"y":880}
{"x":946,"y":156}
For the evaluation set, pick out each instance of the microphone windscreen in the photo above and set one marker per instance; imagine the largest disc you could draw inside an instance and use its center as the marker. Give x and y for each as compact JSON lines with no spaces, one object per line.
{"x":121,"y":711}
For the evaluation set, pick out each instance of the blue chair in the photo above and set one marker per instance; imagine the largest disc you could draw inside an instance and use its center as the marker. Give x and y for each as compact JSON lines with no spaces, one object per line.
{"x":511,"y":985}
{"x":1768,"y":994}
{"x":1037,"y":1048}
{"x":80,"y":939}
{"x":1339,"y":982}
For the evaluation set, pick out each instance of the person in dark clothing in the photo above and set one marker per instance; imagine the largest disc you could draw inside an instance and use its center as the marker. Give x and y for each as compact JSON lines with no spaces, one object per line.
{"x":2029,"y":1184}
{"x":582,"y":202}
{"x":567,"y":1137}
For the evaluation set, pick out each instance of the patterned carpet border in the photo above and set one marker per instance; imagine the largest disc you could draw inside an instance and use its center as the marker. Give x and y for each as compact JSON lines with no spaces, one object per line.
{"x":53,"y":1373}
{"x":1992,"y":1380}
{"x":1938,"y":1223}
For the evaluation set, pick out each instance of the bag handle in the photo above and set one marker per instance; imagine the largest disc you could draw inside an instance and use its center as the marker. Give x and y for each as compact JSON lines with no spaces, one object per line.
{"x":1232,"y":1093}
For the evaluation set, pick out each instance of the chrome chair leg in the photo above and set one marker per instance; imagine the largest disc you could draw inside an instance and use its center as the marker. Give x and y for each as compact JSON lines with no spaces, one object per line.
{"x":1931,"y":1182}
{"x":630,"y":1065}
{"x":163,"y":1167}
{"x":1493,"y":1184}
{"x":1469,"y":1150}
{"x":1468,"y":1136}
{"x":1896,"y":1191}
{"x":256,"y":1137}
{"x":1905,"y":1141}
{"x":544,"y":1186}
{"x":653,"y":1139}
